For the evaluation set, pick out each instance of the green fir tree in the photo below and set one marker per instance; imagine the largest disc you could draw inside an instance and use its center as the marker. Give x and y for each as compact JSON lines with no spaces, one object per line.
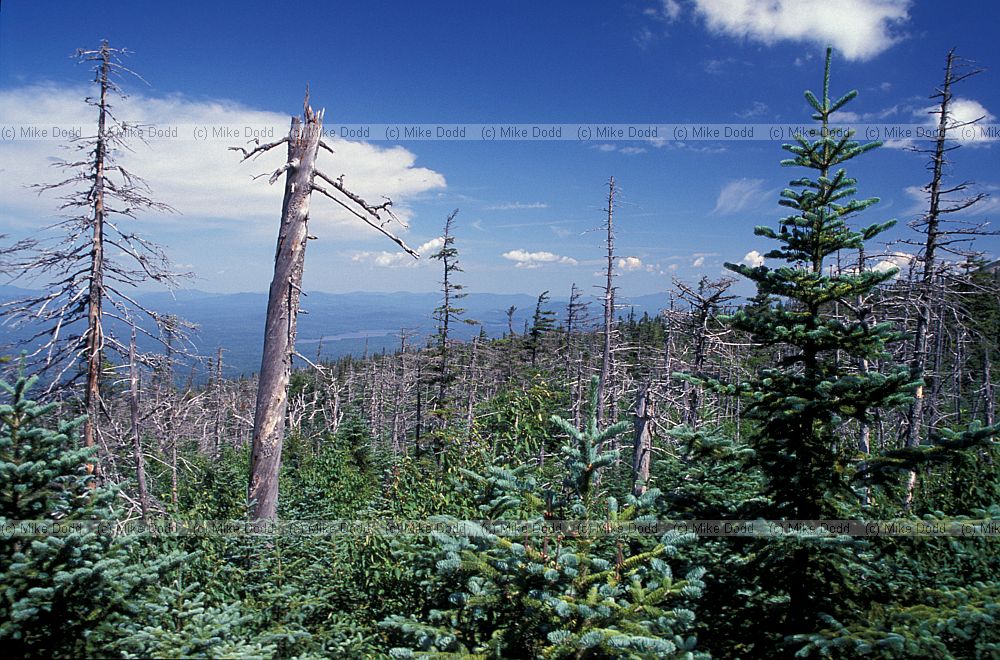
{"x":571,"y":594}
{"x":800,"y":405}
{"x":61,"y":594}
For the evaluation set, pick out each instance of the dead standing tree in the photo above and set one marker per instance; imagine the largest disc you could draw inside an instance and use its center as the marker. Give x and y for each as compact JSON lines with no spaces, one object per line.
{"x":87,"y":285}
{"x":304,"y":142}
{"x":609,"y":306}
{"x":705,"y":301}
{"x":943,"y":201}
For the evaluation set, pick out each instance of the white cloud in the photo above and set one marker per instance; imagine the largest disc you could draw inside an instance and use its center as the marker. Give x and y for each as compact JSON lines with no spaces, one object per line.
{"x":628,"y":151}
{"x":432,"y":245}
{"x":900,"y":260}
{"x":668,"y":11}
{"x":961,"y":111}
{"x":715,"y":67}
{"x":698,"y":262}
{"x":964,"y":111}
{"x":385,"y":259}
{"x":644,"y":38}
{"x":740,"y":195}
{"x":753,"y":258}
{"x":671,"y":10}
{"x":203,"y":180}
{"x":525,"y":259}
{"x":845,"y":117}
{"x":860,"y":29}
{"x":630,"y":263}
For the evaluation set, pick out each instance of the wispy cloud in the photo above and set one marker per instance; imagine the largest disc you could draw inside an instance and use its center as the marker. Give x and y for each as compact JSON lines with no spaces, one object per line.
{"x":859,"y":29}
{"x":756,"y":109}
{"x":516,"y":206}
{"x":664,"y":13}
{"x":717,"y":66}
{"x":740,"y":195}
{"x":525,"y":259}
{"x":692,"y":147}
{"x":612,"y":148}
{"x":667,"y":10}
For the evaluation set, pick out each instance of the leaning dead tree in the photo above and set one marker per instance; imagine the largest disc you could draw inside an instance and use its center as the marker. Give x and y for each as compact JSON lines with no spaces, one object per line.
{"x":304,"y":142}
{"x":94,"y":261}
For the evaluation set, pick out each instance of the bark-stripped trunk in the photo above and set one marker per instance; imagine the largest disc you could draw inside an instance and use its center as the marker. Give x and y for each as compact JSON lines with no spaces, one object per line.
{"x":140,"y":463}
{"x":918,"y":364}
{"x":609,"y":304}
{"x":282,"y":316}
{"x":95,"y":327}
{"x":217,"y":426}
{"x":643,"y":442}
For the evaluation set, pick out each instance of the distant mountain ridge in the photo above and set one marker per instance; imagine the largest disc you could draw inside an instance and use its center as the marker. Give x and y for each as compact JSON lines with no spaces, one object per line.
{"x":339,"y":323}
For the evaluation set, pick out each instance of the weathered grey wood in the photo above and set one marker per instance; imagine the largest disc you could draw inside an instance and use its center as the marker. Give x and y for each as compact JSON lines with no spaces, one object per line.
{"x":304,"y":141}
{"x":95,"y":325}
{"x":643,"y":442}
{"x":609,"y":305}
{"x":938,"y":238}
{"x":140,"y":463}
{"x":282,"y":315}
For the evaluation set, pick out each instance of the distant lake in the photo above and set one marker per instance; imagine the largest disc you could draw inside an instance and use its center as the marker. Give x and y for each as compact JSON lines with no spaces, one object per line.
{"x":361,"y":334}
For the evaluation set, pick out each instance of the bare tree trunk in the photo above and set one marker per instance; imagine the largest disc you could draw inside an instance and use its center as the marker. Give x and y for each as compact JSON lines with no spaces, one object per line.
{"x":304,"y":141}
{"x":609,"y":303}
{"x":95,"y":327}
{"x":643,"y":443}
{"x":140,"y":465}
{"x":282,"y":316}
{"x":420,"y":419}
{"x":217,"y":426}
{"x":939,"y":206}
{"x":988,"y":395}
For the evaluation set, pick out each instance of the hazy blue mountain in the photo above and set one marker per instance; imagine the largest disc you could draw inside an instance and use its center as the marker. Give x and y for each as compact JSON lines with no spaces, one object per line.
{"x":339,"y":324}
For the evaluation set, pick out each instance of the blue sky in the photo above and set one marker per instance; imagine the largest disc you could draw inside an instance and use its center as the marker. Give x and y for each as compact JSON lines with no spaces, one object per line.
{"x":527,"y":208}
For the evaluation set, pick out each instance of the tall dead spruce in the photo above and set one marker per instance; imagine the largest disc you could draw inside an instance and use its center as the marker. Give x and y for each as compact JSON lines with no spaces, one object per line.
{"x":93,"y":260}
{"x":939,"y":236}
{"x":304,"y":142}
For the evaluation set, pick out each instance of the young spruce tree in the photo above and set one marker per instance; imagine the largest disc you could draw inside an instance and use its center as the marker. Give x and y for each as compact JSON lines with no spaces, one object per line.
{"x":63,"y":594}
{"x":562,"y":595}
{"x":800,"y":404}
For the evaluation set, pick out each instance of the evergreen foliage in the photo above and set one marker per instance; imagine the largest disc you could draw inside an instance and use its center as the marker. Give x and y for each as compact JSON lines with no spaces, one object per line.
{"x":543,"y":321}
{"x":62,"y":595}
{"x":802,"y":587}
{"x":571,"y":594}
